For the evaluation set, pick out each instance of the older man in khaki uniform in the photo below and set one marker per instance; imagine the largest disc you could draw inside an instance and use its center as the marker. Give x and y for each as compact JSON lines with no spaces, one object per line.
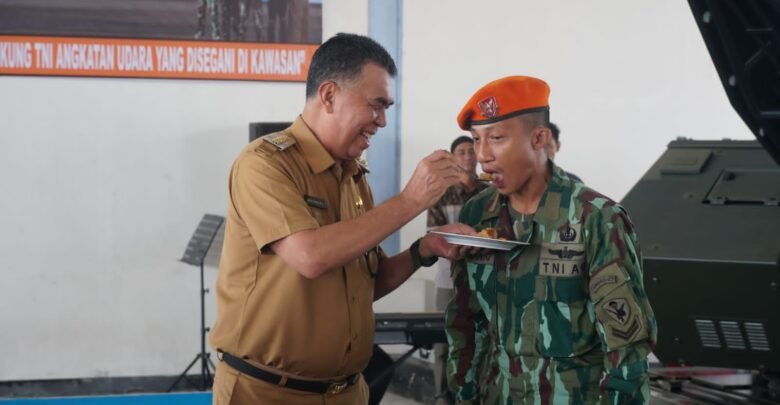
{"x":301,"y":264}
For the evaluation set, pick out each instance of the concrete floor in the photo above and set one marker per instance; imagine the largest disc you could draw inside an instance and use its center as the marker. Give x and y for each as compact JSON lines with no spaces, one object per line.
{"x":394,"y":399}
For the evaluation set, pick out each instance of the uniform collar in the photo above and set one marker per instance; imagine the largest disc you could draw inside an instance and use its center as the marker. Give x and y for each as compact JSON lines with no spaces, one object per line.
{"x":348,"y":169}
{"x":313,"y":151}
{"x":550,"y":204}
{"x":318,"y":158}
{"x":495,"y":202}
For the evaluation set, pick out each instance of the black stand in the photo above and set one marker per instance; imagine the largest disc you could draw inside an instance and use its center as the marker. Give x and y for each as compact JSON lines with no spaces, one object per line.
{"x":196,"y":252}
{"x":378,"y":374}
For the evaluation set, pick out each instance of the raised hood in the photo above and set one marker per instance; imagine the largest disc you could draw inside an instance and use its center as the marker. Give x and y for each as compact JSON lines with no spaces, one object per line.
{"x":743,"y":38}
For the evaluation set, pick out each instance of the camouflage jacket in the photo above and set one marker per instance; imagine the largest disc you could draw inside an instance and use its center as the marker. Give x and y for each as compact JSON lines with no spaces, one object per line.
{"x":564,"y":319}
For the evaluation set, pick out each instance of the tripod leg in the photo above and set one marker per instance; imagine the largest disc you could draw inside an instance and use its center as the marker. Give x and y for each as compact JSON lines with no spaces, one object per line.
{"x":212,"y":364}
{"x":209,"y":377}
{"x":205,"y":373}
{"x":184,"y":373}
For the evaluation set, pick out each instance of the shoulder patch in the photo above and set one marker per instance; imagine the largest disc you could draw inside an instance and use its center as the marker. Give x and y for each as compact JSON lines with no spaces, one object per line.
{"x":604,"y":280}
{"x":280,"y":140}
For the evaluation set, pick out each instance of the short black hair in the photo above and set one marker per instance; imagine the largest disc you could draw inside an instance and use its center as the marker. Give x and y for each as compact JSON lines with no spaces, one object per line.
{"x":555,"y":131}
{"x":535,"y":119}
{"x":459,"y":140}
{"x":342,"y":57}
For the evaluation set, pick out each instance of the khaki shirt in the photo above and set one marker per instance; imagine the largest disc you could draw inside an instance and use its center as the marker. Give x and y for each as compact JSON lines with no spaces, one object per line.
{"x":267,"y":312}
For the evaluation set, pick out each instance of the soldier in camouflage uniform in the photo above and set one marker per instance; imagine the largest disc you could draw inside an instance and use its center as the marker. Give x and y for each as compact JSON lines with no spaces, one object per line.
{"x":563,"y":319}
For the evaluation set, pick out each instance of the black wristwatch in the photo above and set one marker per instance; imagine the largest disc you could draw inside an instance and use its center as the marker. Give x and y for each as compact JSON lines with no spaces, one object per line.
{"x":419,"y":261}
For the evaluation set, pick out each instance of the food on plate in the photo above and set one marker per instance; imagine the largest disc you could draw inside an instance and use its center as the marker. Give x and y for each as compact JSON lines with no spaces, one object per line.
{"x":488,"y":233}
{"x":491,"y":233}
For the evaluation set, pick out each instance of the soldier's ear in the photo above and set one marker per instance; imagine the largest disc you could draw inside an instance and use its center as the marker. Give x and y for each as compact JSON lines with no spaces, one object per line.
{"x":541,"y":137}
{"x":327,"y":94}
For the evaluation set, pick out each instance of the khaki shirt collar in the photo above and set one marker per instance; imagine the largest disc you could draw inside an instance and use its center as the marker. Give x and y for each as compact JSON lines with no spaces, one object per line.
{"x":313,"y":151}
{"x":318,"y":158}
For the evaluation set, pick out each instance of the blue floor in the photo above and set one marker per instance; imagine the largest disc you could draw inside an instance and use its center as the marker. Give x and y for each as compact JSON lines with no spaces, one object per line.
{"x":200,"y":398}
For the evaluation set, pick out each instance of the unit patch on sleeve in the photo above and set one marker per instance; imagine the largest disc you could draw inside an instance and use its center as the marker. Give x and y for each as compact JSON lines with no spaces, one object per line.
{"x":627,"y":333}
{"x":605,"y":280}
{"x":621,"y":317}
{"x":602,"y":281}
{"x":618,"y":310}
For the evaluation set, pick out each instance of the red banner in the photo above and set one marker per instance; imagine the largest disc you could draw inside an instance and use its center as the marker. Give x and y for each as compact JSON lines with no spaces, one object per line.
{"x":101,"y":57}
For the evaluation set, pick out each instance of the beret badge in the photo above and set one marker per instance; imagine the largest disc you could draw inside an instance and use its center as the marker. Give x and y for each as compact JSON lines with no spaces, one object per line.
{"x":488,"y":107}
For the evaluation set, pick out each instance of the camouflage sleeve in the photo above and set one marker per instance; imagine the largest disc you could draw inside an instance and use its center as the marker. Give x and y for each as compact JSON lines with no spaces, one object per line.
{"x":466,"y":333}
{"x":436,"y":215}
{"x":626,"y":324}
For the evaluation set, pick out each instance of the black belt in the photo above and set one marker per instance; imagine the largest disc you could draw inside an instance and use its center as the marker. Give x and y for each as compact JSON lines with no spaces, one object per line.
{"x":318,"y":387}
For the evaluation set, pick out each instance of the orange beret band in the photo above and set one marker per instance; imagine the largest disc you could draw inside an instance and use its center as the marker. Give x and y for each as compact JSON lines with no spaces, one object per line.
{"x":510,"y":115}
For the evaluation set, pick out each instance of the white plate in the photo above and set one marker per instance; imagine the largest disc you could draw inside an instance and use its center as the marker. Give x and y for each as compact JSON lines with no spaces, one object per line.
{"x":479,"y":241}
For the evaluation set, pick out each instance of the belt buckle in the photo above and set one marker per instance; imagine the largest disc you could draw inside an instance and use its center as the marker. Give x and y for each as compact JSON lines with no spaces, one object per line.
{"x":337,"y":387}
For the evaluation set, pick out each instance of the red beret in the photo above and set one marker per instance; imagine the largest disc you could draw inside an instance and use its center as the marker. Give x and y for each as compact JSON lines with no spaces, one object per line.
{"x":504,"y":98}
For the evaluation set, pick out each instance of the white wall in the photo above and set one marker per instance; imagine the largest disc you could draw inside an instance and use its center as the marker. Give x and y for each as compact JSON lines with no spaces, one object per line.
{"x":344,"y":16}
{"x":627,"y":77}
{"x":103,"y":183}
